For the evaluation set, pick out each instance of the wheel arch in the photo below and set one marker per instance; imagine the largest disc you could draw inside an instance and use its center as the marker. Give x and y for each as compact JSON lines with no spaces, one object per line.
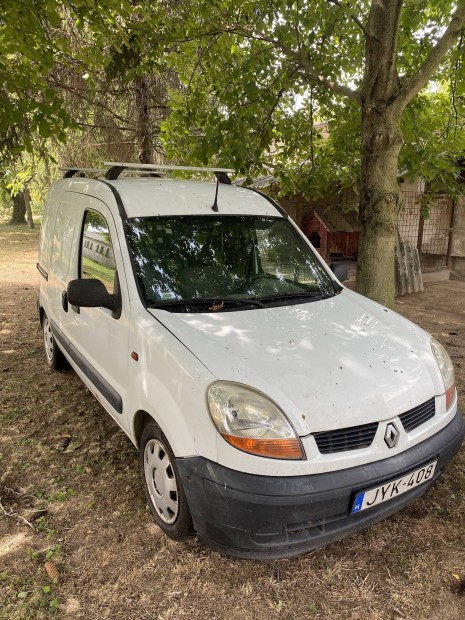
{"x":141,"y":418}
{"x":176,"y":431}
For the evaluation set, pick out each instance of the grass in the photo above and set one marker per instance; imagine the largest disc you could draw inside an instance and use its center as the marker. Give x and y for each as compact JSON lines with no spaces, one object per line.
{"x":14,"y":231}
{"x":73,"y":475}
{"x":93,"y":269}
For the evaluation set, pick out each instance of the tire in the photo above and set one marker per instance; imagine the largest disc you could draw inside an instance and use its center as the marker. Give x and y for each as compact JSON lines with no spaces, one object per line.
{"x":55,"y":358}
{"x":162,"y":483}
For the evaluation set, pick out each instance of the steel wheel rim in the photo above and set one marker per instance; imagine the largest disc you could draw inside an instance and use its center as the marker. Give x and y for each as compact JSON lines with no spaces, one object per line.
{"x":161,"y":481}
{"x":48,"y":340}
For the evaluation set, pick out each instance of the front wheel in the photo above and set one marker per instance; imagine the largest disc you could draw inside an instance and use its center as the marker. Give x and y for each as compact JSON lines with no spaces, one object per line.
{"x":162,"y":483}
{"x":55,"y":358}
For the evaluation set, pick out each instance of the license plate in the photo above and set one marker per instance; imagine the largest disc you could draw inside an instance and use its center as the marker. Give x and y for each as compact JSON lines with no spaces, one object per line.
{"x":389,"y":490}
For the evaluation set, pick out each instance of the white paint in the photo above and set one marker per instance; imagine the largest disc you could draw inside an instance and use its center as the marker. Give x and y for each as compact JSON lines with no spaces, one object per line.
{"x":328,"y":364}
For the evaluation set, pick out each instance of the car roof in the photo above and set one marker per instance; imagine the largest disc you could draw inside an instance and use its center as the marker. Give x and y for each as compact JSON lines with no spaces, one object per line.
{"x":145,"y":197}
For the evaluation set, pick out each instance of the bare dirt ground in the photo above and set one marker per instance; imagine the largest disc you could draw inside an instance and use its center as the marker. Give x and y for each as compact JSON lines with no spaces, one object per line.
{"x":78,"y":541}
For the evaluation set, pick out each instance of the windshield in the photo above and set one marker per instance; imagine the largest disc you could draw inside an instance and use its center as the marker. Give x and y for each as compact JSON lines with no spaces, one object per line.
{"x":212,"y":263}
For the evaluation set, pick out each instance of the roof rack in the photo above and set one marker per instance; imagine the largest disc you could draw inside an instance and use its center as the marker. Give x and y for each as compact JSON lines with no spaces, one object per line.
{"x":146,"y":173}
{"x":116,"y":168}
{"x":72,"y":170}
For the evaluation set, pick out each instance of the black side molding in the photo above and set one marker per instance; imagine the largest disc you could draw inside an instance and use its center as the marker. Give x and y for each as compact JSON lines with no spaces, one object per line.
{"x":42,"y":271}
{"x":102,"y":385}
{"x":119,"y":201}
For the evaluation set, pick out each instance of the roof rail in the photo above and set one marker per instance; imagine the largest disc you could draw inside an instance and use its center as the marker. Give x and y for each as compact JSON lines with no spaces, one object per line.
{"x":116,"y":168}
{"x":71,"y":171}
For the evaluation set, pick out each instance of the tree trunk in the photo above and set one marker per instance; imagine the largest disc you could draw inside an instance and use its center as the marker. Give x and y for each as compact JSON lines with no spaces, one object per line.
{"x":380,"y":202}
{"x":381,"y":143}
{"x":383,"y":97}
{"x":144,"y":124}
{"x":19,"y":209}
{"x":27,"y":202}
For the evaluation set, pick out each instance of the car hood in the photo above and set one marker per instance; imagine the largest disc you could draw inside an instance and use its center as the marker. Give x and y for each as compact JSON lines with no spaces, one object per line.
{"x":328,"y":364}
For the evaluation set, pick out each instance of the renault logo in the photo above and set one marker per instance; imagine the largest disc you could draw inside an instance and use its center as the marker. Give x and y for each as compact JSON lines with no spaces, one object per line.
{"x":391,"y":436}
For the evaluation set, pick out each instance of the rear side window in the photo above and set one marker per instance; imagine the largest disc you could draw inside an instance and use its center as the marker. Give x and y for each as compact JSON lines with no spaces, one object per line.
{"x":97,"y":256}
{"x":66,"y":225}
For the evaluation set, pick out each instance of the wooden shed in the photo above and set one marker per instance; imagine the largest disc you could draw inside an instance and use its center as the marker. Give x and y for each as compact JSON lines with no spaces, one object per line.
{"x":333,"y":233}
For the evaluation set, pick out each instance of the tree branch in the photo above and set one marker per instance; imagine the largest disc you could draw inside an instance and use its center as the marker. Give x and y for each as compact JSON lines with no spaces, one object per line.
{"x":75,"y":91}
{"x":302,"y":61}
{"x":354,"y":18}
{"x":15,"y":515}
{"x":337,"y":88}
{"x":298,"y":57}
{"x":271,"y":111}
{"x":100,"y":126}
{"x":202,"y":53}
{"x":414,"y":84}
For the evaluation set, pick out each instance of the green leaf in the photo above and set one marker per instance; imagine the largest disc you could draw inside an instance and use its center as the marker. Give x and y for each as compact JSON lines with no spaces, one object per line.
{"x":329,"y":29}
{"x":251,"y":89}
{"x":45,"y":130}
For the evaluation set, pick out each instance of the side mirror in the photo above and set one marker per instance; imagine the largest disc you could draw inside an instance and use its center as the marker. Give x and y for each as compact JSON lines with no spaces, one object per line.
{"x":90,"y":293}
{"x":340,"y":270}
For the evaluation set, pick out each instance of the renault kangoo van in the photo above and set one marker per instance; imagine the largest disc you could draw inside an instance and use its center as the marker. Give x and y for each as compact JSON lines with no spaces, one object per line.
{"x":274,"y":409}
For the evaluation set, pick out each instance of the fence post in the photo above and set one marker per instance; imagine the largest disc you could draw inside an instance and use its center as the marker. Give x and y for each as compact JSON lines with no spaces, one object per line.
{"x":421,"y":225}
{"x":401,"y":267}
{"x":451,"y":232}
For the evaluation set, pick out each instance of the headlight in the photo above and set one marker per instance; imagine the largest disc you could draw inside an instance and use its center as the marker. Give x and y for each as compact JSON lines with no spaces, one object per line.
{"x":446,"y":368}
{"x":250,"y":421}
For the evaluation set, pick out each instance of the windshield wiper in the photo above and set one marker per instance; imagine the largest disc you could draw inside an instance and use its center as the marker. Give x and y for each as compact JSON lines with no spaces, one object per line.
{"x":314,"y":296}
{"x":215,"y":304}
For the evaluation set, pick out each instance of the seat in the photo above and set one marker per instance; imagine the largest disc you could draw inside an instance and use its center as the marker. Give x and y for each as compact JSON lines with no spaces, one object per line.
{"x":204,"y":281}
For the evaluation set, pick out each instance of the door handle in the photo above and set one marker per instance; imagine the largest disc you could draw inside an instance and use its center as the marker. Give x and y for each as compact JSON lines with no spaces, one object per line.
{"x":64,"y":301}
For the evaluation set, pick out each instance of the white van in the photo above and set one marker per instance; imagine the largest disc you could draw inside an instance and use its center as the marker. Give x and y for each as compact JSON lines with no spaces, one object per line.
{"x":274,"y":410}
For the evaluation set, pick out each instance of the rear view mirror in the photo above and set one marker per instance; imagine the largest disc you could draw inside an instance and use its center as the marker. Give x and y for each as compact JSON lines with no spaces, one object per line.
{"x":90,"y":293}
{"x":340,"y":270}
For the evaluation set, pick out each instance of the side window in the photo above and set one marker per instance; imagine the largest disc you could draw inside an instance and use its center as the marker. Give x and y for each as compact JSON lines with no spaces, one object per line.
{"x":97,"y":257}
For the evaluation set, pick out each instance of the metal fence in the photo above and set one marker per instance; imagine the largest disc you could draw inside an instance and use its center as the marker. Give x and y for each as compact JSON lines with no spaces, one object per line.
{"x":426,"y":222}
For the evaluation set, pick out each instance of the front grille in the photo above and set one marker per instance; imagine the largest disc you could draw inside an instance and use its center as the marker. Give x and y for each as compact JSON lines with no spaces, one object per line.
{"x":357,"y":437}
{"x":343,"y":439}
{"x":418,"y":415}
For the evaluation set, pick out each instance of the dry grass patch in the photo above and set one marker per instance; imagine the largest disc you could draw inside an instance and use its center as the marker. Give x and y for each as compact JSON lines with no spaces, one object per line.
{"x":67,"y":469}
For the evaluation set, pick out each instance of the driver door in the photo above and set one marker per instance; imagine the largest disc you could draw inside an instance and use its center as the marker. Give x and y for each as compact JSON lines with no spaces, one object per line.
{"x":99,"y":342}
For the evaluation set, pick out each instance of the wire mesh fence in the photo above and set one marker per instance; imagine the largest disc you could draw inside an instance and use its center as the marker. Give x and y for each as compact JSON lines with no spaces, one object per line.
{"x":426,"y":222}
{"x":408,"y":223}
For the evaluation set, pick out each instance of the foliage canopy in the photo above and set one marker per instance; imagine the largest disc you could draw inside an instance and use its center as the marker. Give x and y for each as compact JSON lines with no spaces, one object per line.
{"x":326,"y":94}
{"x":263,"y":81}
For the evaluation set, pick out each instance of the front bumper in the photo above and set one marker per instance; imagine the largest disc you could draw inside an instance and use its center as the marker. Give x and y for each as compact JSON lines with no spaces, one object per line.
{"x":269,"y":517}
